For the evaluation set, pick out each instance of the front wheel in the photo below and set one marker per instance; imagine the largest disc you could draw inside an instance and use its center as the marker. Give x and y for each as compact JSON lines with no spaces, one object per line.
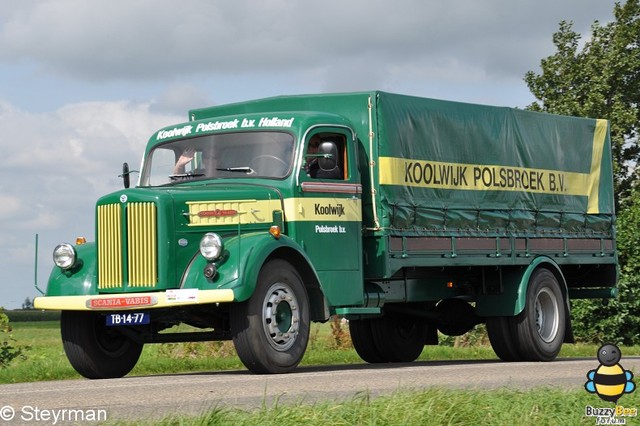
{"x":95,"y":350}
{"x":271,"y":330}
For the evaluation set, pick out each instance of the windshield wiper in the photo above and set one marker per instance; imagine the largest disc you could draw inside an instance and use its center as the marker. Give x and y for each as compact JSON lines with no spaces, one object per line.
{"x":246,"y":169}
{"x":184,"y":176}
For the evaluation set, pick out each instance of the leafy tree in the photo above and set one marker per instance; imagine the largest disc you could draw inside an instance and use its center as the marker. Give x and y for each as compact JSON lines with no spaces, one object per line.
{"x":618,"y":320}
{"x":601,"y":79}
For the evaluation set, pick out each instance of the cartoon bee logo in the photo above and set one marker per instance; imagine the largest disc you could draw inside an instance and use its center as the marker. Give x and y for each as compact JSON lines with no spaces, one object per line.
{"x":609,"y":381}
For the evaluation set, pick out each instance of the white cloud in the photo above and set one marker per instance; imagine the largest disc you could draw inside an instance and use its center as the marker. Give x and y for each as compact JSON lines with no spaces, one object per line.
{"x":56,"y":165}
{"x":157,"y":39}
{"x":10,"y":207}
{"x":179,"y":98}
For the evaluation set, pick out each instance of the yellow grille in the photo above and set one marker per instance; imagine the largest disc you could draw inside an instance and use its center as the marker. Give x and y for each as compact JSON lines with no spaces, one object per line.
{"x":142,"y":253}
{"x":109,"y":246}
{"x":141,"y":245}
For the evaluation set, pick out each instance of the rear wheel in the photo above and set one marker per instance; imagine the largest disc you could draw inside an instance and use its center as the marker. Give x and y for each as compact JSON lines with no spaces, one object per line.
{"x":399,"y":338}
{"x":540,"y":327}
{"x":95,"y":350}
{"x":271,"y":329}
{"x":363,"y":341}
{"x":537,"y":333}
{"x":503,"y":338}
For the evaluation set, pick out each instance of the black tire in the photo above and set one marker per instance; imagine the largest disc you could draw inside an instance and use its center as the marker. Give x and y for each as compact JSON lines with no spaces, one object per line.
{"x":537,"y":333}
{"x":399,"y":338}
{"x":363,"y":341}
{"x":541,"y":326}
{"x":95,"y":350}
{"x":503,"y":339}
{"x":271,"y":330}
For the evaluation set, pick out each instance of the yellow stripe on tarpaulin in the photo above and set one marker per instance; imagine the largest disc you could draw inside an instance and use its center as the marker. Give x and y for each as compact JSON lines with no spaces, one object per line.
{"x":599,"y":136}
{"x":480,"y":177}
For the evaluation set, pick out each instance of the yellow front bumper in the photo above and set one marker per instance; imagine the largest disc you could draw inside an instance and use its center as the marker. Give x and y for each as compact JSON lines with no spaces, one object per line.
{"x":130,"y":301}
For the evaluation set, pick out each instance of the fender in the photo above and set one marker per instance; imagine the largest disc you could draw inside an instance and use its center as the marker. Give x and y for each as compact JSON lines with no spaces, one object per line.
{"x":515,"y":283}
{"x":241,"y":263}
{"x":81,"y":279}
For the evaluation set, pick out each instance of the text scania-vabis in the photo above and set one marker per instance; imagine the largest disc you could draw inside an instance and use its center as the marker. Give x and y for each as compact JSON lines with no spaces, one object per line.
{"x":405,"y":215}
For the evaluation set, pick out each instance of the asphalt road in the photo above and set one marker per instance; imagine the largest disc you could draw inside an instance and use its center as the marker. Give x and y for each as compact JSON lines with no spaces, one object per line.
{"x":157,"y":396}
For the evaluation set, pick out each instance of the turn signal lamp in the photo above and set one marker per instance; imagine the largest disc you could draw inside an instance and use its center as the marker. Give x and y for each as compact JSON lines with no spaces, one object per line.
{"x":80,"y":241}
{"x":449,"y":284}
{"x":275,"y":231}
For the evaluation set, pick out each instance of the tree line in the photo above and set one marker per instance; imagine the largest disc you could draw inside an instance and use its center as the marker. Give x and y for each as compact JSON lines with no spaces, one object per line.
{"x":600,"y":78}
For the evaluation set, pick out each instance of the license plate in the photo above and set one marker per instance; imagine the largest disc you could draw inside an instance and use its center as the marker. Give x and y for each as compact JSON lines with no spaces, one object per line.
{"x":128,"y":318}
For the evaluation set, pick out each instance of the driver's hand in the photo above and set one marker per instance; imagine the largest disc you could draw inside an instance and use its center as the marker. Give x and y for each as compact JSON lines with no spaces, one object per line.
{"x":186,"y":156}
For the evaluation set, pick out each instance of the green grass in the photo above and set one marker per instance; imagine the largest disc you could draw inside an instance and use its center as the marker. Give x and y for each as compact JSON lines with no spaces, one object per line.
{"x":329,"y":344}
{"x":433,"y":406}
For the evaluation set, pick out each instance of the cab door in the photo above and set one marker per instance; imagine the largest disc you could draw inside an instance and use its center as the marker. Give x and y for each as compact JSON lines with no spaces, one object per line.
{"x":330,"y":213}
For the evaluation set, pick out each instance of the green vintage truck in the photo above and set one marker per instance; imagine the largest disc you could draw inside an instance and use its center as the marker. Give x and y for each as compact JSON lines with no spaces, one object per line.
{"x":407,"y":216}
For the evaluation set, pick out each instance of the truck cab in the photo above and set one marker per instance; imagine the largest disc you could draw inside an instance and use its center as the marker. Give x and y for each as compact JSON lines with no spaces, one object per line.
{"x":218,"y":202}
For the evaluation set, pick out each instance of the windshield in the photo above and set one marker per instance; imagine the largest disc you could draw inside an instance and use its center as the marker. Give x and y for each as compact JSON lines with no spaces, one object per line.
{"x":228,"y":155}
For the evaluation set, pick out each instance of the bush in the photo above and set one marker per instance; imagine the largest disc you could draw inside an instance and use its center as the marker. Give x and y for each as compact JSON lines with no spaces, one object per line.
{"x":618,"y":320}
{"x":477,"y":336}
{"x":340,"y":336}
{"x":8,"y":352}
{"x":29,"y":315}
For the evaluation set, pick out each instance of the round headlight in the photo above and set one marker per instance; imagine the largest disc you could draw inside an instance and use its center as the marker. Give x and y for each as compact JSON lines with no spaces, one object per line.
{"x":211,"y":246}
{"x":64,"y":256}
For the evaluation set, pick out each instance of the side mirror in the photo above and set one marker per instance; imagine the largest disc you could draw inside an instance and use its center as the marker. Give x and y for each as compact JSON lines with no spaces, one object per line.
{"x":328,"y":158}
{"x":125,"y":175}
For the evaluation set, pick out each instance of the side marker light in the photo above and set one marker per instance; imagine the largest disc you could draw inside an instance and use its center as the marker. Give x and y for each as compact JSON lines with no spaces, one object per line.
{"x":275,"y":231}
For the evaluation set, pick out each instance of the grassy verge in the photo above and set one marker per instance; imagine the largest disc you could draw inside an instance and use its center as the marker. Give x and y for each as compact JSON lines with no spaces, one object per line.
{"x":433,"y":407}
{"x":329,"y":344}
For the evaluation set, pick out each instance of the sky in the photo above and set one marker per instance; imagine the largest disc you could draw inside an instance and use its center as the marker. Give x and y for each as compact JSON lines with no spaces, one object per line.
{"x":84,"y":84}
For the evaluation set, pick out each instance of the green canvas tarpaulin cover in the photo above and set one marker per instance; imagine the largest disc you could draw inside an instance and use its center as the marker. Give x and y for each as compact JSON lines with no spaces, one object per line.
{"x":449,"y":165}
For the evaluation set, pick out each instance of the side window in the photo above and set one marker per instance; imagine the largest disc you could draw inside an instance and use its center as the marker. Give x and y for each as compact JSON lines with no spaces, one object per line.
{"x":326,"y":156}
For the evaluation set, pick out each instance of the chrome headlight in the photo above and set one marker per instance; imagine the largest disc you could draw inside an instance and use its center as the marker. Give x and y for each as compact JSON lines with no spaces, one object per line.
{"x":64,"y":256}
{"x":211,"y":246}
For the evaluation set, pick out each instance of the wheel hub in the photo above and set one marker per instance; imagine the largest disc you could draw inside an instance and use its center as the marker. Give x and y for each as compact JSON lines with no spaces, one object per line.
{"x":281,"y":317}
{"x":547,"y":314}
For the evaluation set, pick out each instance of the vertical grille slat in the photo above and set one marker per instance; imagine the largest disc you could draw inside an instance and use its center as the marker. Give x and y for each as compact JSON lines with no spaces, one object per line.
{"x":141,"y":220}
{"x":139,"y":249}
{"x":109,"y":246}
